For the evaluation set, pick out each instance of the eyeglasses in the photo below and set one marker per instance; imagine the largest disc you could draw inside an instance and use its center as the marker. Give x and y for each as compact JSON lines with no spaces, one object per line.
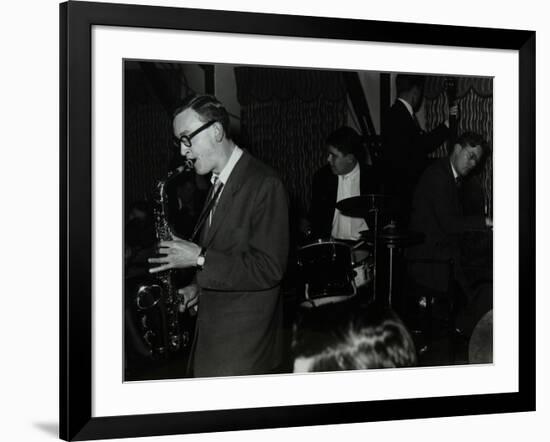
{"x":186,"y":139}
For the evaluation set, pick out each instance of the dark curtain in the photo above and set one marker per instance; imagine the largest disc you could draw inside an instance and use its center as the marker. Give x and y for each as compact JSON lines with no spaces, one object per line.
{"x":286,"y":114}
{"x":148,"y":149}
{"x":475,"y":102}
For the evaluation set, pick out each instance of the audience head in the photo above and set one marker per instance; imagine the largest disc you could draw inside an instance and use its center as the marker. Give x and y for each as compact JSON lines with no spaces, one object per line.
{"x":343,"y":337}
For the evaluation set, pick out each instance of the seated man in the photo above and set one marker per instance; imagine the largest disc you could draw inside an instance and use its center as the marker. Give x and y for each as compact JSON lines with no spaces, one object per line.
{"x":437,"y":212}
{"x":346,"y":175}
{"x":342,"y":337}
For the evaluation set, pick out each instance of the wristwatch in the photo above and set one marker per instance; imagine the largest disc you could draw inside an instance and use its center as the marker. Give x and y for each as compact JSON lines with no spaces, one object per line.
{"x":201,"y":258}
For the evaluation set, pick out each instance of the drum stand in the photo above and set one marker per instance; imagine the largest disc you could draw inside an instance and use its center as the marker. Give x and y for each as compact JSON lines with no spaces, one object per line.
{"x":374,"y":210}
{"x":361,"y":206}
{"x":394,"y":239}
{"x":390,"y":248}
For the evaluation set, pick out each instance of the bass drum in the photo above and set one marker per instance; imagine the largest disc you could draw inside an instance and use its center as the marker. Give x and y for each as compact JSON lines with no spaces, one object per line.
{"x":326,"y":272}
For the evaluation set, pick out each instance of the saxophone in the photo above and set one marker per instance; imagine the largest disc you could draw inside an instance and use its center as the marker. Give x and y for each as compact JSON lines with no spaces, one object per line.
{"x":162,"y":325}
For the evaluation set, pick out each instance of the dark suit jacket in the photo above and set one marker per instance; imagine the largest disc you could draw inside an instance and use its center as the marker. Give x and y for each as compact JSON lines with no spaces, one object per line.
{"x":405,"y":153}
{"x":437,"y":213}
{"x":324,"y":193}
{"x":239,"y":323}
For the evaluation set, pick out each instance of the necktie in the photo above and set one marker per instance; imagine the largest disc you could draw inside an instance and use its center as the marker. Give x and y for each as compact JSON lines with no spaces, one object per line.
{"x":216,"y":189}
{"x":208,"y":209}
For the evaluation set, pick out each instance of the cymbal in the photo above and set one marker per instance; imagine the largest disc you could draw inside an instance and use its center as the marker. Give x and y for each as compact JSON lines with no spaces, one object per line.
{"x":359,"y":206}
{"x":391,"y":236}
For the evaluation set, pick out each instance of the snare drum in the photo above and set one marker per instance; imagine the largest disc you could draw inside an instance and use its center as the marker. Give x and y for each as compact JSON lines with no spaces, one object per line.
{"x":362,"y":267}
{"x":326,"y":271}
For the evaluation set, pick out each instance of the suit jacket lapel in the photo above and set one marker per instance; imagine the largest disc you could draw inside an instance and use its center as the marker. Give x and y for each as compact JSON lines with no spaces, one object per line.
{"x":233,"y":184}
{"x":200,"y":224}
{"x":452,"y":183}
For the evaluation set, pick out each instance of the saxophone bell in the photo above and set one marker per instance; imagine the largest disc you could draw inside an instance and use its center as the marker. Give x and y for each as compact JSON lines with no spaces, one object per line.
{"x":148,"y":296}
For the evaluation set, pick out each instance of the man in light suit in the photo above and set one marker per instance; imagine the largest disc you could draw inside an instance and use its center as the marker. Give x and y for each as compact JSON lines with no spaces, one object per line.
{"x":241,"y":255}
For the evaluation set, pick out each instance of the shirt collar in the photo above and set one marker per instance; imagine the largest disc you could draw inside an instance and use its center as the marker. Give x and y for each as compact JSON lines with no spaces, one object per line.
{"x":407,"y":105}
{"x":455,"y":174}
{"x":353,"y":172}
{"x":228,"y":168}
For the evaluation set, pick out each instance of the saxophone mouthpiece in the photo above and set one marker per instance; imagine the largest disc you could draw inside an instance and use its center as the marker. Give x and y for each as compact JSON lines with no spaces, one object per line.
{"x":189,"y":164}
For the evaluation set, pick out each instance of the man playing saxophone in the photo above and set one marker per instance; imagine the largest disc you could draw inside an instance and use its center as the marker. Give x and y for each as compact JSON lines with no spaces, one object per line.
{"x":240,"y":251}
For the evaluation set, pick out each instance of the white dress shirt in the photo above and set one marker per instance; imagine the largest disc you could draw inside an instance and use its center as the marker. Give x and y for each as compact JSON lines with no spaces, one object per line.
{"x":224,"y":175}
{"x":346,"y":227}
{"x":229,"y":166}
{"x":455,"y":173}
{"x":408,"y":106}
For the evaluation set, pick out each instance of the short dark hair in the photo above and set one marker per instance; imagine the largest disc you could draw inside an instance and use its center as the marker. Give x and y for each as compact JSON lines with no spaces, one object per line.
{"x":473,"y":139}
{"x":209,"y":108}
{"x":347,"y":141}
{"x":348,"y":339}
{"x":405,"y":82}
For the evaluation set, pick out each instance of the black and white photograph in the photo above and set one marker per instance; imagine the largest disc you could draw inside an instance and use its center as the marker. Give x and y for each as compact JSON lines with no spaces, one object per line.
{"x":284,"y":220}
{"x":274,"y":220}
{"x":278,"y":221}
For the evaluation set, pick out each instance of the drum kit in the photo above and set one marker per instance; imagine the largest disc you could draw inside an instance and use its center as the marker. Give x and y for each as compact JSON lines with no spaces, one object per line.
{"x":336,"y":270}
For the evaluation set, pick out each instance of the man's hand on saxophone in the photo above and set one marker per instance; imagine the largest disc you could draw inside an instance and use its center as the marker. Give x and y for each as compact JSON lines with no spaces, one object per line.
{"x":190,"y":298}
{"x":175,"y":254}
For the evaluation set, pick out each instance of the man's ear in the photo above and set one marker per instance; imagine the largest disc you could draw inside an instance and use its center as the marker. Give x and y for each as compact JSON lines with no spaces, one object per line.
{"x":218,"y":130}
{"x":457,"y":148}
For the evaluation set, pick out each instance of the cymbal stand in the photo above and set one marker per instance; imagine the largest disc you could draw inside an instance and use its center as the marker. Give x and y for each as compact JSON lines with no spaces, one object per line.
{"x":390,"y":247}
{"x":375,"y":210}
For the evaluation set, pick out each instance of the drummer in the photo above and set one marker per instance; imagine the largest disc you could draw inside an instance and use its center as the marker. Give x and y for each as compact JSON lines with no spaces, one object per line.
{"x":345,"y":175}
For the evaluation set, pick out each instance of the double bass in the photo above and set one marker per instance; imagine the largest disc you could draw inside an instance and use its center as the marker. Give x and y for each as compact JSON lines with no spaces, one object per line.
{"x":451,"y":92}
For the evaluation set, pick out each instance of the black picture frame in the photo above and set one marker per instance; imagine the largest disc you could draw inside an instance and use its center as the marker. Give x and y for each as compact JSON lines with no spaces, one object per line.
{"x":76,"y":21}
